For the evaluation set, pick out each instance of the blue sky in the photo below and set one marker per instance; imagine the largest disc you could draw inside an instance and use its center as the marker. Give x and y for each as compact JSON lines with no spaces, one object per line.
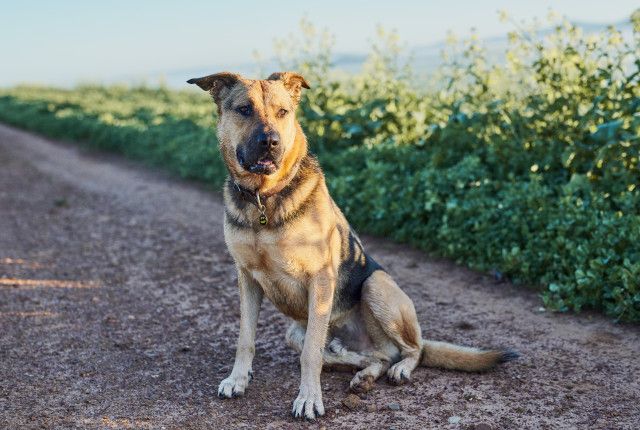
{"x":62,"y":42}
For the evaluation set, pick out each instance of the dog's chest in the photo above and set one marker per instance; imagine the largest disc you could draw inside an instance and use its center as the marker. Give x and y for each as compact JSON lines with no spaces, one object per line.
{"x":281,"y":263}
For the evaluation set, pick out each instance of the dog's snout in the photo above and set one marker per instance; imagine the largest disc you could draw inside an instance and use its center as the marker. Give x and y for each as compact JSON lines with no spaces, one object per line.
{"x":269,"y":139}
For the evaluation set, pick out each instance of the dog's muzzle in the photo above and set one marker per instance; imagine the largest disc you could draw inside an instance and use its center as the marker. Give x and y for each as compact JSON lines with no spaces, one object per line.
{"x":262,"y":154}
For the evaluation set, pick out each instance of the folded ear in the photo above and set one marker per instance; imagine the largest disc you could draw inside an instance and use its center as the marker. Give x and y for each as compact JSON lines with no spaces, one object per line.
{"x":217,"y":84}
{"x":293,"y":82}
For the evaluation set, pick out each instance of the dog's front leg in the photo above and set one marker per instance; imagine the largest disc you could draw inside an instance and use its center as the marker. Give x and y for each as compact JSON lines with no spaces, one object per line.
{"x":308,"y":404}
{"x":250,"y":299}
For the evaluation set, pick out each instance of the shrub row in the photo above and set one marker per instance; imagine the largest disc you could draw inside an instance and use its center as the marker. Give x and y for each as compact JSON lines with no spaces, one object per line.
{"x":528,"y":168}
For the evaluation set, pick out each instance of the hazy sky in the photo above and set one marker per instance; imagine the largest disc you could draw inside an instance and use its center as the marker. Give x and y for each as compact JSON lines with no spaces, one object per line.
{"x":61,"y":42}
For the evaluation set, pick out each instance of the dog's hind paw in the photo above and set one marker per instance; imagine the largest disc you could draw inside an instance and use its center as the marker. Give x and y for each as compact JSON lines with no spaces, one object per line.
{"x":399,"y":373}
{"x":362,"y":382}
{"x":233,"y":386}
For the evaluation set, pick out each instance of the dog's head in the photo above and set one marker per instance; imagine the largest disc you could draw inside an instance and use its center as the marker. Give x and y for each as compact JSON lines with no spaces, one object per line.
{"x":256,"y":126}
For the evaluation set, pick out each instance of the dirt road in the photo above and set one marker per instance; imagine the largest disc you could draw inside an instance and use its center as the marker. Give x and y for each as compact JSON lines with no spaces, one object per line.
{"x":118,"y":309}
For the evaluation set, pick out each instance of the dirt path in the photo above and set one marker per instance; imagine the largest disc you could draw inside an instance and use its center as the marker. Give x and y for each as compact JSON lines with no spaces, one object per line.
{"x":118,"y":309}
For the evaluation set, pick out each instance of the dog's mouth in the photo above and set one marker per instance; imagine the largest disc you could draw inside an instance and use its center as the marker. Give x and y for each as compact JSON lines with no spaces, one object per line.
{"x":264,"y":166}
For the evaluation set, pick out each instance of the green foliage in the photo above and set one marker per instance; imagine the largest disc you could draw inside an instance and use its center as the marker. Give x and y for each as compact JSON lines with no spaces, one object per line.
{"x":161,"y":127}
{"x":529,"y":167}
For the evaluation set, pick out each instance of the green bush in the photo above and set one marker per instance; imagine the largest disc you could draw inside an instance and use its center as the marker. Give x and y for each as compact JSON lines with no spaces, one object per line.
{"x":527,"y":167}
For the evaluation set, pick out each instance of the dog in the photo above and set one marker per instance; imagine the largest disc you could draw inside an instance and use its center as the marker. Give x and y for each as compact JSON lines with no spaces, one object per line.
{"x":291,"y":243}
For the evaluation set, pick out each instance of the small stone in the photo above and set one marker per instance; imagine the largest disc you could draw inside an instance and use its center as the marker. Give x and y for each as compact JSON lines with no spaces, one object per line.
{"x":394,"y":406}
{"x":464,"y":325}
{"x":371,"y":408}
{"x":352,"y":401}
{"x":61,"y":203}
{"x":497,"y":275}
{"x":454,"y":419}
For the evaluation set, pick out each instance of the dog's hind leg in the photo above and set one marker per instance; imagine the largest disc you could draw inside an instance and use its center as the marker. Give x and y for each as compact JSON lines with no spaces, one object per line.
{"x":334,"y":353}
{"x":392,"y":324}
{"x":295,"y":336}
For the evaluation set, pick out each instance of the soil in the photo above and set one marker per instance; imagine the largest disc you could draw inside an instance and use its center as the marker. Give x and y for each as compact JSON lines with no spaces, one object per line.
{"x":119,"y":309}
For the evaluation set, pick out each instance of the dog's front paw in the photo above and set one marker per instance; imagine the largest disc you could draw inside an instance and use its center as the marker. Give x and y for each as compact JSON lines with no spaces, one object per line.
{"x":308,"y":404}
{"x":233,"y":386}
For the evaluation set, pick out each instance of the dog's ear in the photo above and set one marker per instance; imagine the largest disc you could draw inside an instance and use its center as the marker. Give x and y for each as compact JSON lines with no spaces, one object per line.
{"x":217,"y":84}
{"x":293,"y":82}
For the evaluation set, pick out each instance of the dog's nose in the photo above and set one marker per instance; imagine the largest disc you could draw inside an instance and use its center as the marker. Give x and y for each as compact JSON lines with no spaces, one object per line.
{"x":269,"y":139}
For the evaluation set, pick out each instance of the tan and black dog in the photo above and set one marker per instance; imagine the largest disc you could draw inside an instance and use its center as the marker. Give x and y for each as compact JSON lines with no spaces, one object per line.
{"x":291,"y":242}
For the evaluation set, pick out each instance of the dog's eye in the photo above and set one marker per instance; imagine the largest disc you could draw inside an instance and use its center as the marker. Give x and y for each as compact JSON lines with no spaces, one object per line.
{"x":282,"y":112}
{"x":244,"y":110}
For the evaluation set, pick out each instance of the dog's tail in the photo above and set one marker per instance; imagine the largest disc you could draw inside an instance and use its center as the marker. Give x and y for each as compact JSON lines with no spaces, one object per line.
{"x":449,"y":356}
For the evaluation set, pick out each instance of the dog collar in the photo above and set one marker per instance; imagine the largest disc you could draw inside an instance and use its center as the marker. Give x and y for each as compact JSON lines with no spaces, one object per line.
{"x":254,"y":197}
